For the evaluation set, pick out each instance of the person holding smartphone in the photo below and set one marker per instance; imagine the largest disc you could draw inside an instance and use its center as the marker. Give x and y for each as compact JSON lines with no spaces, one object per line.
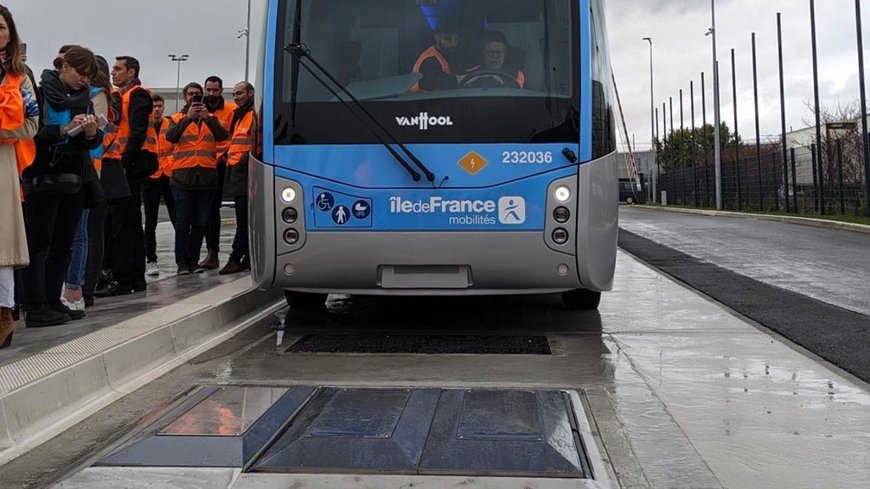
{"x":53,"y":196}
{"x":196,"y":134}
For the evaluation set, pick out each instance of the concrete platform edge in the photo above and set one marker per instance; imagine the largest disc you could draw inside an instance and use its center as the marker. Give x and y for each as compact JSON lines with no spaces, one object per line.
{"x":804,"y":221}
{"x":95,"y":381}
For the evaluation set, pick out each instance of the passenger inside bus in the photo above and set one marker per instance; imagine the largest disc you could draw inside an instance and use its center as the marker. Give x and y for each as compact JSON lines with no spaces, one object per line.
{"x":501,"y":65}
{"x":440,"y":63}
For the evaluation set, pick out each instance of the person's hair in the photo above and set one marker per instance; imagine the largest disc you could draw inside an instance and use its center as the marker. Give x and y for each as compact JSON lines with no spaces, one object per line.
{"x":192,"y":85}
{"x":58,"y":60}
{"x":215,"y":79}
{"x":247,"y":85}
{"x":156,"y":97}
{"x":494,"y":36}
{"x":14,"y":64}
{"x":448,"y":25}
{"x":131,"y":63}
{"x":82,"y":60}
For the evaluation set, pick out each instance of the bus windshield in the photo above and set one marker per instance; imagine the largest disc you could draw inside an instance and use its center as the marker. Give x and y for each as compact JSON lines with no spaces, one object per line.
{"x":480,"y":70}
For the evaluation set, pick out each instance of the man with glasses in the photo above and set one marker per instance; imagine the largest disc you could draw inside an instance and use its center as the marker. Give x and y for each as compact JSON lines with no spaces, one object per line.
{"x":489,"y":73}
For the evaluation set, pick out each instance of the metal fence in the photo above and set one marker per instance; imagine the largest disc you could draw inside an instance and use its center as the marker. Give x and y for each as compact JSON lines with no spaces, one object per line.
{"x":795,"y":184}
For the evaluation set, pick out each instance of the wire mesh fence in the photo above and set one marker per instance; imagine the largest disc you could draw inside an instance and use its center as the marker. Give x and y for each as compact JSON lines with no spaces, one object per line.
{"x":794,"y":182}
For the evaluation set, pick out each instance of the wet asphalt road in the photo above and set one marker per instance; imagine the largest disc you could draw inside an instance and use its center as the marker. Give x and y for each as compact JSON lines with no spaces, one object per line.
{"x":808,"y":284}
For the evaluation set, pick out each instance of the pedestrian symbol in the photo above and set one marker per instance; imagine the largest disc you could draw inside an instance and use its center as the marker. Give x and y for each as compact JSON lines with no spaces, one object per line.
{"x":361,"y":209}
{"x":340,"y":215}
{"x":325,"y":201}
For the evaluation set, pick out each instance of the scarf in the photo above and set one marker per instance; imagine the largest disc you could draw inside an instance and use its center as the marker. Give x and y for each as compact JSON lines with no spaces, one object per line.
{"x":59,"y":96}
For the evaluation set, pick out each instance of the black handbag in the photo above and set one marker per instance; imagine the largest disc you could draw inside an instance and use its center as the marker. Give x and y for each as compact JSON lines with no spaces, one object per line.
{"x":57,"y":184}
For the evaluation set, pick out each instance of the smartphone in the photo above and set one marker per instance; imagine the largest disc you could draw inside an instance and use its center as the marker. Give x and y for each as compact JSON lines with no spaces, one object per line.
{"x":197,"y":99}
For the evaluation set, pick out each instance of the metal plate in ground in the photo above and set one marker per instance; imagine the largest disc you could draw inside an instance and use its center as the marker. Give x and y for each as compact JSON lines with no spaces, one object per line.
{"x":506,"y":433}
{"x":422,"y":344}
{"x":432,"y":431}
{"x":363,"y":430}
{"x":221,"y":427}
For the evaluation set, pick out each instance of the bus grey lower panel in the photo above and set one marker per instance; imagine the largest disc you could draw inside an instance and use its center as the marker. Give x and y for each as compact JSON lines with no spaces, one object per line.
{"x":424,"y":277}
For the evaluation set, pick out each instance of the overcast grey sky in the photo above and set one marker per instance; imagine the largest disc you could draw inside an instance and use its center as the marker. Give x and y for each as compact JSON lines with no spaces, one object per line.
{"x":207,"y":30}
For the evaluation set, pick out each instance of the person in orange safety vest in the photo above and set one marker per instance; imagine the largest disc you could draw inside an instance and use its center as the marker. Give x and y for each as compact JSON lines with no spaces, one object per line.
{"x":236,"y":180}
{"x":157,"y":187}
{"x":439,"y":63}
{"x":223,"y":111}
{"x":196,"y":134}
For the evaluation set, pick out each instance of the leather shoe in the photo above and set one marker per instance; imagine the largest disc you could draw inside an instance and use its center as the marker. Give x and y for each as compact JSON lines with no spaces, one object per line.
{"x":7,"y":327}
{"x":114,"y":289}
{"x":210,"y":262}
{"x":231,"y":267}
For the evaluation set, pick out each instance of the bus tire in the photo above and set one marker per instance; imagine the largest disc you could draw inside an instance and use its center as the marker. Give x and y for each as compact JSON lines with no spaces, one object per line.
{"x":581,"y":299}
{"x":305,"y":302}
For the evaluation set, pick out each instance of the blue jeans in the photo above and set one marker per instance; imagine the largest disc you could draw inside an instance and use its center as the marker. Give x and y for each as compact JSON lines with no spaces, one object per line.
{"x":191,"y":217}
{"x":75,"y":274}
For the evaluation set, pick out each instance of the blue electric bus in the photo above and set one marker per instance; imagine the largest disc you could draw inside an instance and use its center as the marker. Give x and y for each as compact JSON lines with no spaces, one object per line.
{"x":493,"y":173}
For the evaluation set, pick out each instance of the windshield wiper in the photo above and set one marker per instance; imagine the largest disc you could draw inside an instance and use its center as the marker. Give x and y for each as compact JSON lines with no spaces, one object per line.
{"x":298,"y":51}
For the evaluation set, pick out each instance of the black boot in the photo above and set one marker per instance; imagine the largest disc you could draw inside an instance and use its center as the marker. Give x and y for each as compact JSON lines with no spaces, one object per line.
{"x":42,"y":315}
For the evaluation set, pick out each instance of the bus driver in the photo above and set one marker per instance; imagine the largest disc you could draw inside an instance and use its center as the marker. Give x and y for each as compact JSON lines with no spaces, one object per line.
{"x":494,"y":72}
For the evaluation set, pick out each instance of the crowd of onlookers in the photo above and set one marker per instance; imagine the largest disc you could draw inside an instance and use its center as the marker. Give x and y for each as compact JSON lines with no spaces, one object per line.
{"x":81,"y":150}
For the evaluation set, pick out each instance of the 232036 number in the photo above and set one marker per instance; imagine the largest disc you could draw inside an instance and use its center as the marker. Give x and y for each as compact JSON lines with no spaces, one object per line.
{"x":527,"y":157}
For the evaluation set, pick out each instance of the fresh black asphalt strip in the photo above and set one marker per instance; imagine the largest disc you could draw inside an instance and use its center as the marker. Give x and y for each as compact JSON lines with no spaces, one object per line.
{"x":840,"y":336}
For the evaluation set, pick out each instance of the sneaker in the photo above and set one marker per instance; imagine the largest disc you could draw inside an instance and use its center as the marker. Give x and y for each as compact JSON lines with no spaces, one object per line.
{"x":114,"y":289}
{"x":182,"y":270}
{"x":78,"y":305}
{"x":72,"y":313}
{"x":41,"y":316}
{"x":151,"y":269}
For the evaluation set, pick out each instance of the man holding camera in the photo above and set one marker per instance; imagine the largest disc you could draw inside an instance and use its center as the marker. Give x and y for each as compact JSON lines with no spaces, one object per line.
{"x":137,"y":156}
{"x":196,"y":133}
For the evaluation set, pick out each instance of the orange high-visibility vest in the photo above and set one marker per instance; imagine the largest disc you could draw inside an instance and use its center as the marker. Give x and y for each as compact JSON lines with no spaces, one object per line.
{"x":119,"y":145}
{"x":108,"y":141}
{"x":225,"y":115}
{"x":432,"y":52}
{"x":240,"y":143}
{"x":164,"y":150}
{"x":196,"y":147}
{"x":12,"y":117}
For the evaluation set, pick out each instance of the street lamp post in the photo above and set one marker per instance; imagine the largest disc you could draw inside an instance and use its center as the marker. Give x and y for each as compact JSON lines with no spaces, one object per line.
{"x":178,"y":58}
{"x":716,"y":123}
{"x":247,"y":33}
{"x":652,"y":115}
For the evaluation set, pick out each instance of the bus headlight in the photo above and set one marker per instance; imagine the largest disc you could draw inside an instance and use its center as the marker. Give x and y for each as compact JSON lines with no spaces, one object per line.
{"x":562,"y":194}
{"x":288,"y":195}
{"x":291,"y":236}
{"x":289,"y":215}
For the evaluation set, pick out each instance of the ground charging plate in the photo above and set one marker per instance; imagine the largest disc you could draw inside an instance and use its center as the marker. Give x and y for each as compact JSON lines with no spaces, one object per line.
{"x":531,"y":433}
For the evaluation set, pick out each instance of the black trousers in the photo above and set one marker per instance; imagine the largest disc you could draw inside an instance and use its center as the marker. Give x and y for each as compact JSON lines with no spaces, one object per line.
{"x":213,"y":229}
{"x":96,"y":227}
{"x":152,"y":192}
{"x":240,"y":242}
{"x":51,"y":223}
{"x":128,"y":237}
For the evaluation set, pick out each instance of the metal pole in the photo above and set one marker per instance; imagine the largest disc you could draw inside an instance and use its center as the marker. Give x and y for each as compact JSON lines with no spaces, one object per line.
{"x":794,"y":180}
{"x":716,"y":115}
{"x":840,"y":175}
{"x":682,"y":120}
{"x":248,"y":43}
{"x":653,"y":118}
{"x":665,"y":132}
{"x":178,"y":86}
{"x":782,"y":113}
{"x":815,"y":178}
{"x":694,"y":145}
{"x":818,"y":109}
{"x":863,"y":108}
{"x":757,"y":126}
{"x":671,"y":106}
{"x":656,"y":168}
{"x":704,"y":140}
{"x":736,"y":134}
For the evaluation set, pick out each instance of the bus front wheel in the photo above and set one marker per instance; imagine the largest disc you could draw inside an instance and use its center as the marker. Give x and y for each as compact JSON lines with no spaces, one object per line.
{"x":305,"y":302}
{"x":581,"y":299}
